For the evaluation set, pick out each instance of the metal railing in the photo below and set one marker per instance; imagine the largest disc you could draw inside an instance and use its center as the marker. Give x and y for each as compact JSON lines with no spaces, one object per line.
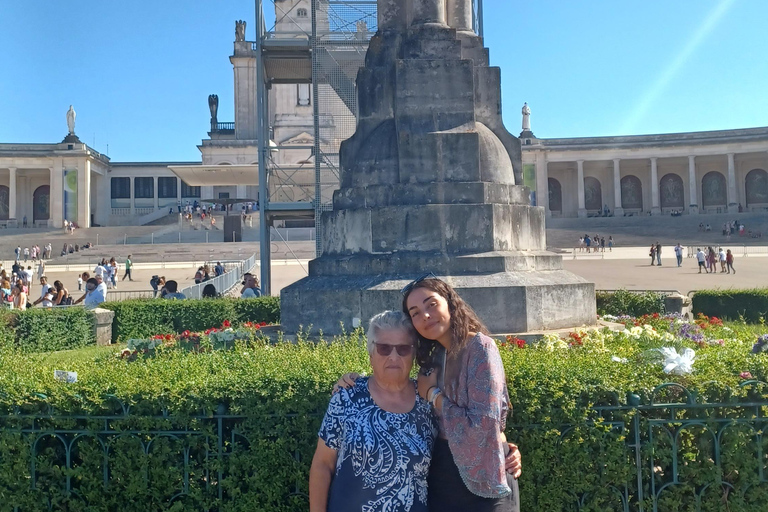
{"x":225,"y":127}
{"x":224,"y":282}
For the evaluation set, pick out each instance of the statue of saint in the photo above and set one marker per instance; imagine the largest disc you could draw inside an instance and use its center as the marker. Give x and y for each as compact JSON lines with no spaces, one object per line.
{"x":526,"y":117}
{"x":240,"y":30}
{"x":213,"y":104}
{"x":71,"y":115}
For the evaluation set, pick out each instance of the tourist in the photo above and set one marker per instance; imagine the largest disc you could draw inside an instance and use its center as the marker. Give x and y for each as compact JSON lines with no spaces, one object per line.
{"x":722,"y":258}
{"x":711,"y":259}
{"x":199,"y":275}
{"x":28,"y":275}
{"x":652,"y":254}
{"x":171,"y":291}
{"x":209,"y":291}
{"x":26,"y":254}
{"x":79,"y":283}
{"x":250,"y":287}
{"x":61,"y":297}
{"x":106,"y":273}
{"x":602,"y":244}
{"x":702,"y":259}
{"x":729,"y":261}
{"x":93,"y":294}
{"x":610,"y":244}
{"x":48,"y":250}
{"x":5,"y":291}
{"x":219,"y":269}
{"x":381,"y":418}
{"x":18,"y":252}
{"x":658,"y":253}
{"x":40,"y":268}
{"x":19,"y":296}
{"x":679,"y":254}
{"x":114,"y":269}
{"x":101,"y":285}
{"x":100,"y":268}
{"x":587,"y":242}
{"x":581,"y":243}
{"x":47,"y":299}
{"x":44,"y":288}
{"x":128,"y":267}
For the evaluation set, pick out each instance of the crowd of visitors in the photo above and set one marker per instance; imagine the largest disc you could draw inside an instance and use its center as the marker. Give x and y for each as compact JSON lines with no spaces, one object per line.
{"x":595,"y":243}
{"x":709,"y":259}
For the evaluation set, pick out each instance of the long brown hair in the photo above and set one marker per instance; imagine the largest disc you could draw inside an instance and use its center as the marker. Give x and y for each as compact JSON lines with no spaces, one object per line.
{"x":464,"y":320}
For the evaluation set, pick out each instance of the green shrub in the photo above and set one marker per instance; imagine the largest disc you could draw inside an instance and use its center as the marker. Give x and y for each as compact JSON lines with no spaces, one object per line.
{"x":571,"y":419}
{"x":623,"y":302}
{"x":44,"y":330}
{"x":142,"y":318}
{"x":751,"y":305}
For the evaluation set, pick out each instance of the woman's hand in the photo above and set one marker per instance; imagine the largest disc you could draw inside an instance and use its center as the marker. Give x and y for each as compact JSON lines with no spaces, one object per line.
{"x":426,"y":382}
{"x":513,"y":461}
{"x":346,"y":381}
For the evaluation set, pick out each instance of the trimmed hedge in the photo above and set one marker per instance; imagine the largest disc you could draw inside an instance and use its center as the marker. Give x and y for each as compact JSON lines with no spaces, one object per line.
{"x":142,"y":318}
{"x":46,"y":330}
{"x":623,"y":302}
{"x":751,"y":305}
{"x":272,"y":398}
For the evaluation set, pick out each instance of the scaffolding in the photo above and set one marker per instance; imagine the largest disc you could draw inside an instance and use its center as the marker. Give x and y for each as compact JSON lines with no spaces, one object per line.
{"x":325,"y":56}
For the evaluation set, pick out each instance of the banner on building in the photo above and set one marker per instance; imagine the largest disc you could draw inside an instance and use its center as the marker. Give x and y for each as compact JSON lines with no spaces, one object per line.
{"x":70,"y":195}
{"x":529,"y":180}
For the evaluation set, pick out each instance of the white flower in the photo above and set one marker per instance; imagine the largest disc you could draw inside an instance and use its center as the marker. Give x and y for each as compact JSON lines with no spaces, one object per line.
{"x":617,"y":359}
{"x":677,"y":364}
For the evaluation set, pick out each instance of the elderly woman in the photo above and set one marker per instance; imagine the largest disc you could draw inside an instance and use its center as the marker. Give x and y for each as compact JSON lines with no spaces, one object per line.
{"x":376,"y":439}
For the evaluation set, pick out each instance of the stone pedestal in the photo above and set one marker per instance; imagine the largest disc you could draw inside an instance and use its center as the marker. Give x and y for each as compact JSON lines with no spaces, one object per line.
{"x":655,"y":210}
{"x":582,"y":213}
{"x":618,"y":212}
{"x":429,"y":183}
{"x":102,"y":325}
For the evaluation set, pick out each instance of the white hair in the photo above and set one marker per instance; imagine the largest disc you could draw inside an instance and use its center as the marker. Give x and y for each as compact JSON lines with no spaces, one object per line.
{"x":389,"y":321}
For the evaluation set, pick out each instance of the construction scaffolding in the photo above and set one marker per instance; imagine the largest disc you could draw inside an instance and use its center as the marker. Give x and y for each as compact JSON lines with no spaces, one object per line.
{"x":317,"y":46}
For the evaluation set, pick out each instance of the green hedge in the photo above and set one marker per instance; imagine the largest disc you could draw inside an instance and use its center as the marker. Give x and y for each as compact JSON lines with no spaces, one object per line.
{"x":271,"y":398}
{"x":45,"y":330}
{"x":142,"y":318}
{"x":751,"y":305}
{"x":623,"y":302}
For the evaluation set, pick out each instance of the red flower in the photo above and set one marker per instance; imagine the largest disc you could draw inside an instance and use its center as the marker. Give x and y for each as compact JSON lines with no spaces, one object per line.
{"x":186,"y":334}
{"x":226,"y":324}
{"x":745,"y":375}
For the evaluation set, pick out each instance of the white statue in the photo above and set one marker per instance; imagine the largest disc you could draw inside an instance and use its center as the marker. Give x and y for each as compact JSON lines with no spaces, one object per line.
{"x":526,"y":117}
{"x":71,"y":115}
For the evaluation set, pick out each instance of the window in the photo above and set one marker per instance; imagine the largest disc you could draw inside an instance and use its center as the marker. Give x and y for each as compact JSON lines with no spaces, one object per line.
{"x":166,"y":187}
{"x":301,"y":13}
{"x":121,"y":188}
{"x":303,"y":95}
{"x":223,"y":195}
{"x":144,"y":188}
{"x":187,"y":191}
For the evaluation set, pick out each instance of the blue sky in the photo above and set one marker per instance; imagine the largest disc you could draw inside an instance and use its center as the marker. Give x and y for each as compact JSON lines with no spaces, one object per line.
{"x":138,"y":73}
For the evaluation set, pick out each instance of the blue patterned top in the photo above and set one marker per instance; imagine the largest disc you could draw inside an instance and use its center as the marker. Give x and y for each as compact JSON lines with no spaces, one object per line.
{"x":383,"y":457}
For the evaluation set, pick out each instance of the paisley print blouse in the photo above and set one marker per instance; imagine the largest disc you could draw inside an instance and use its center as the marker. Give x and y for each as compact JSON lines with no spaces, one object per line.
{"x":473,"y":415}
{"x":383,"y":457}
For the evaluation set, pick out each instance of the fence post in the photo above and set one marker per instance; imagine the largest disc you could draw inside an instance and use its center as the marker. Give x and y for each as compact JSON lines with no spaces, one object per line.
{"x":125,"y":238}
{"x":153,"y":238}
{"x":97,"y":239}
{"x":206,"y":237}
{"x":179,"y":236}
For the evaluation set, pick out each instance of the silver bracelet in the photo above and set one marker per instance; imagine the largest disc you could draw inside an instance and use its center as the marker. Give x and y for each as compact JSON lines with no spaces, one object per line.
{"x":436,"y":394}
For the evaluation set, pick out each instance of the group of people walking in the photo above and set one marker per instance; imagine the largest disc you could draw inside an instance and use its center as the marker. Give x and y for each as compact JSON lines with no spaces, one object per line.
{"x":595,"y":243}
{"x":437,"y":443}
{"x":708,"y":260}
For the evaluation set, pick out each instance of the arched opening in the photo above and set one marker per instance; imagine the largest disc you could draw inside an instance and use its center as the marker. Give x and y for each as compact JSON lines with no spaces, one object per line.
{"x":593,"y":195}
{"x":41,"y":203}
{"x":4,"y":197}
{"x":756,"y":185}
{"x":671,"y":192}
{"x":714,"y":193}
{"x":631,"y":193}
{"x":555,"y":196}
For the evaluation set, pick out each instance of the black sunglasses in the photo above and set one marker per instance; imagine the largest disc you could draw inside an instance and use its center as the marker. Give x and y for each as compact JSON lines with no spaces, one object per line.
{"x":384,"y":349}
{"x":409,"y":286}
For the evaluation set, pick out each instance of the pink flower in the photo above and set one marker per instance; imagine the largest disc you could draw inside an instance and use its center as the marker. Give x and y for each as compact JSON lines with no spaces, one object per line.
{"x":745,"y":375}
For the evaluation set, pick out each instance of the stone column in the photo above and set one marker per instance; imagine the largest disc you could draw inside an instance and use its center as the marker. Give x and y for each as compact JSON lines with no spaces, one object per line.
{"x":57,"y":195}
{"x":693,"y":203}
{"x":733,"y":199}
{"x":580,"y":188}
{"x":459,"y":14}
{"x":157,"y":195}
{"x":542,"y":183}
{"x":428,"y":12}
{"x":178,"y":191}
{"x":618,"y":211}
{"x":655,"y":210}
{"x":133,"y":196}
{"x":11,"y":193}
{"x":241,"y":191}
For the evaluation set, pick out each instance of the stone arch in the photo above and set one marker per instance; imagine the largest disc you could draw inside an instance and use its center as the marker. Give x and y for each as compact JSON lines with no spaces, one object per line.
{"x":555,"y":195}
{"x":41,"y":203}
{"x":671,"y":191}
{"x":593,"y":194}
{"x":756,"y":185}
{"x":714,"y":191}
{"x":631,"y":193}
{"x":4,"y":198}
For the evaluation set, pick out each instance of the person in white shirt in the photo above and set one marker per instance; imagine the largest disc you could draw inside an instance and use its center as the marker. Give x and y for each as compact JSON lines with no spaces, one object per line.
{"x":93,"y":294}
{"x":702,"y":259}
{"x":250,"y":287}
{"x":721,"y":257}
{"x":45,"y":288}
{"x":28,"y":274}
{"x":48,"y":300}
{"x":679,"y":254}
{"x":102,"y":286}
{"x":99,"y":270}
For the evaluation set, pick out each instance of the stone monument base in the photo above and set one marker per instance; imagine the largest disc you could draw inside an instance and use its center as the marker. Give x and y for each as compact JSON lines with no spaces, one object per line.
{"x":514,"y":301}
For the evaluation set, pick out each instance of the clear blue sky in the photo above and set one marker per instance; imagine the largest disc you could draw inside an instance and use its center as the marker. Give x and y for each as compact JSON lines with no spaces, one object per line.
{"x":138,"y":73}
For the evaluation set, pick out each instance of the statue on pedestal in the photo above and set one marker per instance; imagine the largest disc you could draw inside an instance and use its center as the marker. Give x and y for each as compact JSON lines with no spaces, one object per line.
{"x":526,"y":117}
{"x":240,"y":30}
{"x":213,"y":105}
{"x":71,"y":115}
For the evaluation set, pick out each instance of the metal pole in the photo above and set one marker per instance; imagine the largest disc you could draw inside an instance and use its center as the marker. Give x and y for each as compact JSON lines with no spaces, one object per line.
{"x":262,"y":135}
{"x":97,"y":239}
{"x":153,"y":238}
{"x":316,"y":128}
{"x":125,"y":238}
